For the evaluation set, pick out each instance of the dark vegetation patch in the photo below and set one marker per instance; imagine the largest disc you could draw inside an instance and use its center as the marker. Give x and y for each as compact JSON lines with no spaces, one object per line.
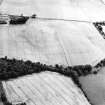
{"x":13,"y":68}
{"x":99,"y":27}
{"x":100,"y":64}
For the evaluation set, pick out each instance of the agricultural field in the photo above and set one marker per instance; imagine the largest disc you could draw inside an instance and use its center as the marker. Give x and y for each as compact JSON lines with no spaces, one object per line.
{"x":56,"y":36}
{"x":94,"y":87}
{"x":42,"y":89}
{"x":53,"y":42}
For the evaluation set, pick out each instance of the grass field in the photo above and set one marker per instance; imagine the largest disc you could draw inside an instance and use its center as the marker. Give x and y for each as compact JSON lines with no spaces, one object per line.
{"x":53,"y":42}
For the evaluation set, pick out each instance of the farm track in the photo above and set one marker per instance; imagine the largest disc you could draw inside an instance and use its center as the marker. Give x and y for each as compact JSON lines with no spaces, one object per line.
{"x":60,"y":19}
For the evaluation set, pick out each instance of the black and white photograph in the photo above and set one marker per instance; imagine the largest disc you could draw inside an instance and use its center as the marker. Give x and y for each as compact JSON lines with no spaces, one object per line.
{"x":52,"y":52}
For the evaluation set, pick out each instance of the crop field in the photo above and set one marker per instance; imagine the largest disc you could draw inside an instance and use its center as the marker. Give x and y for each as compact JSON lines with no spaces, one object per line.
{"x":42,"y":89}
{"x":53,"y":42}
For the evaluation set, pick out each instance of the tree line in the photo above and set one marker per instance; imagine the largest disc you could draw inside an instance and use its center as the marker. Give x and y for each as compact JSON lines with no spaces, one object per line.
{"x":12,"y":68}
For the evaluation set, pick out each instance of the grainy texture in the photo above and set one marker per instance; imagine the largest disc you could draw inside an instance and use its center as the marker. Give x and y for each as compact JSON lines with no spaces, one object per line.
{"x":91,"y":10}
{"x":51,"y":42}
{"x":44,"y":89}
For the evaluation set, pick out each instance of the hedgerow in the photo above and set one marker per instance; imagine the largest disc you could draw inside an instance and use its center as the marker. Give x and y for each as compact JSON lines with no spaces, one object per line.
{"x":98,"y":26}
{"x":100,"y":64}
{"x":13,"y":68}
